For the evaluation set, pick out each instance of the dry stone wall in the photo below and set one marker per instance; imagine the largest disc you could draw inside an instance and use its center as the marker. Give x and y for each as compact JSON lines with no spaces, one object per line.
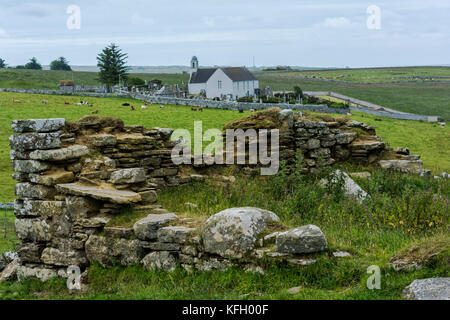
{"x":76,"y":179}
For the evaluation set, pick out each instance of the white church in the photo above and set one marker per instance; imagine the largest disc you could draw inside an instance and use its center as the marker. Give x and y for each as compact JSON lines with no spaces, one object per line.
{"x":232,"y":83}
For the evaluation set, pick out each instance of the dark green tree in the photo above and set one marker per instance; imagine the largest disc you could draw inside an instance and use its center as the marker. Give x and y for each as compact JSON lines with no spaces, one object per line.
{"x":135,"y":81}
{"x":112,"y":64}
{"x":60,"y":64}
{"x":2,"y":63}
{"x":298,"y":92}
{"x":33,"y":64}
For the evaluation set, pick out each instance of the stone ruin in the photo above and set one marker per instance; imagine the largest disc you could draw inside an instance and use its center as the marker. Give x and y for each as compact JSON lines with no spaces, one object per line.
{"x":77,"y":180}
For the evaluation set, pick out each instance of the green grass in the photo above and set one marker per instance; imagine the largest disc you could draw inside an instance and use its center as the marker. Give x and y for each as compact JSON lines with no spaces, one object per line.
{"x":8,"y":239}
{"x":48,"y":79}
{"x":371,"y":232}
{"x":375,"y":74}
{"x":420,"y":98}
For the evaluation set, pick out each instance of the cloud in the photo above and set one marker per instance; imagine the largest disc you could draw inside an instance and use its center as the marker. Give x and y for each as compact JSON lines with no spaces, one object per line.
{"x":210,"y":22}
{"x":340,"y":22}
{"x":3,"y":33}
{"x":138,"y":20}
{"x":32,"y":10}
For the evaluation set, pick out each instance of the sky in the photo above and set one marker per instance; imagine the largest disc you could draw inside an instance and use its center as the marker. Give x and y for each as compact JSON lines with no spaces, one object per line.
{"x":320,"y":33}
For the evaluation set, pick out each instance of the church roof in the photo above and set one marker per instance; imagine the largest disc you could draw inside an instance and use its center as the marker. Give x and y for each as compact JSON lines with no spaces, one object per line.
{"x":235,"y":74}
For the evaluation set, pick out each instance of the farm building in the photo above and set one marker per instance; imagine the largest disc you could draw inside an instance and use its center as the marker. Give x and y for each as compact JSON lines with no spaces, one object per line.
{"x":235,"y":82}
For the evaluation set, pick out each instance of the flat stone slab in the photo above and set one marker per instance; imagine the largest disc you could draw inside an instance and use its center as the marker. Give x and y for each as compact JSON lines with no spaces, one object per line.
{"x":114,"y":196}
{"x":428,"y":289}
{"x":35,"y":141}
{"x":72,"y":152}
{"x":124,"y":176}
{"x":30,"y":166}
{"x":39,"y":125}
{"x":147,"y":228}
{"x":405,"y":166}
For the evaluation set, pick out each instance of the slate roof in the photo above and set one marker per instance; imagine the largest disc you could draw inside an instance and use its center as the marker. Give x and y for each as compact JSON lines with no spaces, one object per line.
{"x":235,"y":74}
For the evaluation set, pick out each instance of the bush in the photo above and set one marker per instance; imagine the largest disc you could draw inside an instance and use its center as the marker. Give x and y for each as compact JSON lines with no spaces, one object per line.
{"x":245,"y":99}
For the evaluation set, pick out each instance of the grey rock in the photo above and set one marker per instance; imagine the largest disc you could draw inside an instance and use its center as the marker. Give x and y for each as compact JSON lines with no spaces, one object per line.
{"x":52,"y":256}
{"x":34,"y":191}
{"x":103,"y":140}
{"x":72,"y":152}
{"x":52,"y":178}
{"x":405,"y":166}
{"x":34,"y":141}
{"x":305,"y":239}
{"x":39,"y":125}
{"x":124,"y":176}
{"x":149,"y":196}
{"x":428,"y":289}
{"x":341,"y":254}
{"x":175,"y":234}
{"x":351,"y":188}
{"x":30,"y":252}
{"x":41,"y":273}
{"x":30,"y":166}
{"x":3,"y":262}
{"x":9,"y":273}
{"x":32,"y":230}
{"x":162,"y":260}
{"x":313,"y":144}
{"x":146,"y":229}
{"x":287,"y":115}
{"x":109,"y":251}
{"x":294,"y":290}
{"x":232,"y":233}
{"x":345,"y":137}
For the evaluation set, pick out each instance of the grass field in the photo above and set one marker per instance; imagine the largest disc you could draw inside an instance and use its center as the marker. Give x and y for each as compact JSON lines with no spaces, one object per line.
{"x":377,"y":74}
{"x":48,"y":79}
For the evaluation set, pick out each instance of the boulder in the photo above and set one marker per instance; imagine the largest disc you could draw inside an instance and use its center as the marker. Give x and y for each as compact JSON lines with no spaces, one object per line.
{"x":162,"y":260}
{"x":110,"y":251}
{"x":30,"y":166}
{"x":39,"y":125}
{"x":305,"y":239}
{"x":428,"y":289}
{"x":147,"y":228}
{"x":232,"y":233}
{"x":72,"y":152}
{"x":35,"y":141}
{"x":124,"y":176}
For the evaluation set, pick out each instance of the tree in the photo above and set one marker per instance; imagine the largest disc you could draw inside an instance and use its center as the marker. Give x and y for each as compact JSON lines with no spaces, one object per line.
{"x":33,"y":64}
{"x":112,"y":63}
{"x":298,"y":92}
{"x":60,"y":64}
{"x":2,"y":63}
{"x":135,"y":81}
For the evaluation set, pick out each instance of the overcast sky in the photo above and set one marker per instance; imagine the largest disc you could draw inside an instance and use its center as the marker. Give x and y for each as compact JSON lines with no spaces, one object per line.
{"x":316,"y":33}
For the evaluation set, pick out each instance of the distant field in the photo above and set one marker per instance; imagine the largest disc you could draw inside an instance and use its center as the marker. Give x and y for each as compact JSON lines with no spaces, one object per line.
{"x":425,"y":98}
{"x":427,"y":139}
{"x":376,"y":74}
{"x":47,"y":79}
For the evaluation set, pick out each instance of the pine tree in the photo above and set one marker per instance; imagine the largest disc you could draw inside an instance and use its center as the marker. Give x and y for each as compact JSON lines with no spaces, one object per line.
{"x":2,"y":63}
{"x":60,"y":64}
{"x":112,"y":63}
{"x":33,"y":64}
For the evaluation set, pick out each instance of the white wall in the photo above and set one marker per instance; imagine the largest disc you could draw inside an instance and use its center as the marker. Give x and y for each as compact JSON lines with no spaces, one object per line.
{"x":212,"y":86}
{"x":244,"y":88}
{"x":195,"y":88}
